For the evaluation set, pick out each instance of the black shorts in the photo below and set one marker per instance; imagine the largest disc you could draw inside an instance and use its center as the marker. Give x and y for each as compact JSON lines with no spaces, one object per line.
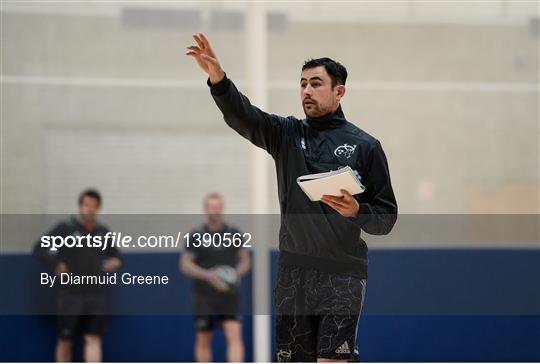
{"x":212,"y":309}
{"x":81,"y":313}
{"x":317,"y":315}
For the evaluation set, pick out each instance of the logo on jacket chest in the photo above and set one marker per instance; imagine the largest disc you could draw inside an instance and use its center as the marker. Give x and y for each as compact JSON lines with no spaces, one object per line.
{"x":345,"y":151}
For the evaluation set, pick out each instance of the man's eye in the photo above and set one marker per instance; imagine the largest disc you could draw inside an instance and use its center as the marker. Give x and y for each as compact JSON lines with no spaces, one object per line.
{"x":316,"y":84}
{"x":303,"y":85}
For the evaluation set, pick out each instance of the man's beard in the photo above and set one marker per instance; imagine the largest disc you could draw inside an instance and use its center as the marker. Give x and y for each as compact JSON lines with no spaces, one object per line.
{"x":314,"y":111}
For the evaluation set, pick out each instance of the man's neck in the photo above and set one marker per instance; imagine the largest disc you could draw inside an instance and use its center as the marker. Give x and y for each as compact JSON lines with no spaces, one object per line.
{"x":338,"y":106}
{"x":331,"y":120}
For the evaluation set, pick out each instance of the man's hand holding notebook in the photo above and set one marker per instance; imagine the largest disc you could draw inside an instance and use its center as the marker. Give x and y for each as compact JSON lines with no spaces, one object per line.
{"x":331,"y":183}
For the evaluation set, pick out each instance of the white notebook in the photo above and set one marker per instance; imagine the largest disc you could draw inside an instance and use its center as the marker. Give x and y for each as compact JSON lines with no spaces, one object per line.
{"x":330,"y":183}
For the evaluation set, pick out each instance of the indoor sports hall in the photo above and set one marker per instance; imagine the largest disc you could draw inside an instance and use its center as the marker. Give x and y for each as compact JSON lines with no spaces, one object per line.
{"x":101,"y":95}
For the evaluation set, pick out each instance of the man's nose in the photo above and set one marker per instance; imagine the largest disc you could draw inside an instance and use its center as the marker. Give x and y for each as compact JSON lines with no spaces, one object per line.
{"x":307,"y":90}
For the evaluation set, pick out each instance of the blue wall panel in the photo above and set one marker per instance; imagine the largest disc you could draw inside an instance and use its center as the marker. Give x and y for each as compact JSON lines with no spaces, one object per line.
{"x":492,"y":314}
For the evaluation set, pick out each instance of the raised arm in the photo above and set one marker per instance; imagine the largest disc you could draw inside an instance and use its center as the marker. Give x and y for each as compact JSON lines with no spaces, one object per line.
{"x":261,"y":128}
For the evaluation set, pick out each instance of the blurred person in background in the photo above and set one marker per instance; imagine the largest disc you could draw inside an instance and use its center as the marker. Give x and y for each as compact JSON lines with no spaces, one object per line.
{"x":323,"y":260}
{"x":81,"y":308}
{"x":216,"y":270}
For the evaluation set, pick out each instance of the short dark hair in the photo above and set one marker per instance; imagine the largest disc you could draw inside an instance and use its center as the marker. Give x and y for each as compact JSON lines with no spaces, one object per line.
{"x":211,"y":196}
{"x":92,"y":193}
{"x":336,"y":71}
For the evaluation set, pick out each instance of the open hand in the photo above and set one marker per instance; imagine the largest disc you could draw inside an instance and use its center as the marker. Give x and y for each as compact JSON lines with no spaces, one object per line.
{"x":206,"y":58}
{"x":346,"y":205}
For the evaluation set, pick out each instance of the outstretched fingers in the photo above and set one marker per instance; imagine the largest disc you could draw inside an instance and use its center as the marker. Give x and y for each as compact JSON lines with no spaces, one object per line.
{"x":199,"y":40}
{"x":207,"y":46}
{"x":204,"y":41}
{"x":205,"y":57}
{"x":193,"y":50}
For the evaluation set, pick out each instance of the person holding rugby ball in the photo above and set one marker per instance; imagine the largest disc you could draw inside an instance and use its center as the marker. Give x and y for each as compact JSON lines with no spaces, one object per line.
{"x":216,"y":270}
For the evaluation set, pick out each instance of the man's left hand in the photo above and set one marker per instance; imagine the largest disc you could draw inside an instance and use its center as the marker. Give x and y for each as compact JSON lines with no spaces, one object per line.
{"x":111,"y":265}
{"x":346,"y":205}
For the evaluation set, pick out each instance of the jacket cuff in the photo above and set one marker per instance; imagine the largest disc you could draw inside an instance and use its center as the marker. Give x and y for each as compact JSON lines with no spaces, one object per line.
{"x":362,"y":218}
{"x":219,"y":88}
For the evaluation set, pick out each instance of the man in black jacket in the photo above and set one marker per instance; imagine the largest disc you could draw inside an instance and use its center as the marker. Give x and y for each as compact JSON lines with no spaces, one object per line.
{"x":323,"y":260}
{"x":81,"y":307}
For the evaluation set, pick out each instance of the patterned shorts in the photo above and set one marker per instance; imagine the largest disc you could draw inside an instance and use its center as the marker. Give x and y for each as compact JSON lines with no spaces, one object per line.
{"x":317,"y":314}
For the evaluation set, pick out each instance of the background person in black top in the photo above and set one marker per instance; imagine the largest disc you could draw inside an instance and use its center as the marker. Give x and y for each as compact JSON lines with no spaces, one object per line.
{"x":323,"y":259}
{"x":214,"y":301}
{"x":81,"y":308}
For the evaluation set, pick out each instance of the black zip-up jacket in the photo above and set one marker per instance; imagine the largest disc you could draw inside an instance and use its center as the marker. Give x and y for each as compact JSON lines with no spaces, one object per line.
{"x":79,"y":260}
{"x":312,"y":234}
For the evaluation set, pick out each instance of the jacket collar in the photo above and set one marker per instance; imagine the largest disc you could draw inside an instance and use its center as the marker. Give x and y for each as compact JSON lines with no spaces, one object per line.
{"x":328,"y":121}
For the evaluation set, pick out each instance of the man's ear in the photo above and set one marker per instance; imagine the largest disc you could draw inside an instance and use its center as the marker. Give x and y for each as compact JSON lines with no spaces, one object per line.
{"x":340,"y":91}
